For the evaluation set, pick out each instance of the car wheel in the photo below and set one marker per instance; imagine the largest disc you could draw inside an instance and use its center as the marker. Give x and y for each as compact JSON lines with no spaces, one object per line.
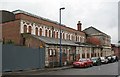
{"x":91,"y":65}
{"x":85,"y":65}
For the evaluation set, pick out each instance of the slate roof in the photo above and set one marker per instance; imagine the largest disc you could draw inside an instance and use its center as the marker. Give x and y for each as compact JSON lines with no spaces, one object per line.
{"x":54,"y":41}
{"x":96,"y":30}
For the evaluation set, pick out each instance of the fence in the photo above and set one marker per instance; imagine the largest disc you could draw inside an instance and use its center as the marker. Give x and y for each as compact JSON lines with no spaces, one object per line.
{"x":22,"y":58}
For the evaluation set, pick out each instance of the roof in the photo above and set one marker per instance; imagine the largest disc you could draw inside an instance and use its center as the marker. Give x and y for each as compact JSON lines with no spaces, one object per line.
{"x":27,"y":13}
{"x":39,"y":17}
{"x":86,"y":44}
{"x":54,"y":41}
{"x":96,"y":30}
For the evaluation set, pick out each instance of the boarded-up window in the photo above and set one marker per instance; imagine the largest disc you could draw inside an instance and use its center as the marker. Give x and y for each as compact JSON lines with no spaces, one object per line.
{"x":25,"y":28}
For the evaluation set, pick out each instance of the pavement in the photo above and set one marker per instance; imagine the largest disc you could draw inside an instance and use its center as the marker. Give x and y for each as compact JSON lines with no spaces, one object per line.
{"x":27,"y":72}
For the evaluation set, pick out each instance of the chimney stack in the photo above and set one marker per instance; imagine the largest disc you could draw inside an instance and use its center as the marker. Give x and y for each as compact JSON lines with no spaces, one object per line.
{"x":79,"y":26}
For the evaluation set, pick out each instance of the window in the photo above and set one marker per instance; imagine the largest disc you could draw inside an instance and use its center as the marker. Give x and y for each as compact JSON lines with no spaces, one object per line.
{"x":36,"y":31}
{"x":87,"y":55}
{"x":40,"y":32}
{"x":92,"y":55}
{"x":46,"y":33}
{"x":72,"y":37}
{"x":49,"y":33}
{"x":54,"y":52}
{"x":25,"y":28}
{"x":53,"y":34}
{"x":50,"y":52}
{"x":76,"y":38}
{"x":95,"y":54}
{"x":29,"y":29}
{"x":56,"y":34}
{"x":63,"y":36}
{"x":69,"y":37}
{"x":83,"y":55}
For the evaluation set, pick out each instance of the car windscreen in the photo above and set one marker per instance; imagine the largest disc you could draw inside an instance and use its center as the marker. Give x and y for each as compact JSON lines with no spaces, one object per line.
{"x":82,"y":60}
{"x":93,"y":58}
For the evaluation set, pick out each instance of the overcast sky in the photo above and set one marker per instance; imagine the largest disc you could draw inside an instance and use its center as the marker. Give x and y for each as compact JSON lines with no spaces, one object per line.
{"x":101,"y":14}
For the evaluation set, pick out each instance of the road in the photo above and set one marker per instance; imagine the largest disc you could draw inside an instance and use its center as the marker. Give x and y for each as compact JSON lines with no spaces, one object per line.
{"x":106,"y":69}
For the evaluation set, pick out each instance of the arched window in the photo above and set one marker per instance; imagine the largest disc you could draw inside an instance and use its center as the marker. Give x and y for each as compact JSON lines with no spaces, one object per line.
{"x":36,"y":31}
{"x":68,"y":37}
{"x":81,"y":39}
{"x":40,"y":32}
{"x":56,"y":34}
{"x":63,"y":36}
{"x":25,"y":28}
{"x":76,"y":38}
{"x":49,"y":33}
{"x":29,"y":29}
{"x":53,"y":34}
{"x":46,"y":33}
{"x":72,"y":37}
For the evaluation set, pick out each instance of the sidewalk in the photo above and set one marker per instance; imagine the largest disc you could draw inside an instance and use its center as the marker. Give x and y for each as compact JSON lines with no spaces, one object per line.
{"x":29,"y":72}
{"x":58,"y":68}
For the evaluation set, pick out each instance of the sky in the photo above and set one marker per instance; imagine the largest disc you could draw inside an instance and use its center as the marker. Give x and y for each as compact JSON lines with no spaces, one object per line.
{"x":101,"y":14}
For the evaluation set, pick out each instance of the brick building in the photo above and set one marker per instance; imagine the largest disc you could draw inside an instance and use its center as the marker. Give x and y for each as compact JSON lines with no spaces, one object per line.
{"x":33,"y":31}
{"x":116,"y":50}
{"x":100,"y":39}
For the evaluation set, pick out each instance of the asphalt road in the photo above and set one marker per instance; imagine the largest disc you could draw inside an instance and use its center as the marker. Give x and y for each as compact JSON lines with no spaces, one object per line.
{"x":106,"y":69}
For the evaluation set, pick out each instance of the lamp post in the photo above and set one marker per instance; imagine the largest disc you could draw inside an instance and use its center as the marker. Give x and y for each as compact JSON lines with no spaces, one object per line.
{"x":60,"y":35}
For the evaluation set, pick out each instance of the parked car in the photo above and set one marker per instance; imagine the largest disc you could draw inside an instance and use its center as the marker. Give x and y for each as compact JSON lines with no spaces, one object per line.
{"x":110,"y":59}
{"x":115,"y":58}
{"x":104,"y":60}
{"x":96,"y":61}
{"x":90,"y":62}
{"x":82,"y":63}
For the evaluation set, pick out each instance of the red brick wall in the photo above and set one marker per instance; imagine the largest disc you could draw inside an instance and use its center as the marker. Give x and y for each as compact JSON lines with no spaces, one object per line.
{"x":11,"y":31}
{"x":40,"y":21}
{"x":93,"y":40}
{"x":33,"y":42}
{"x":117,"y":51}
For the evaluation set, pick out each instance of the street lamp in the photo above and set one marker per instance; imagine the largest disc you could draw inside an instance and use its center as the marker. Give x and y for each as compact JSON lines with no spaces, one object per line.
{"x":60,"y":36}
